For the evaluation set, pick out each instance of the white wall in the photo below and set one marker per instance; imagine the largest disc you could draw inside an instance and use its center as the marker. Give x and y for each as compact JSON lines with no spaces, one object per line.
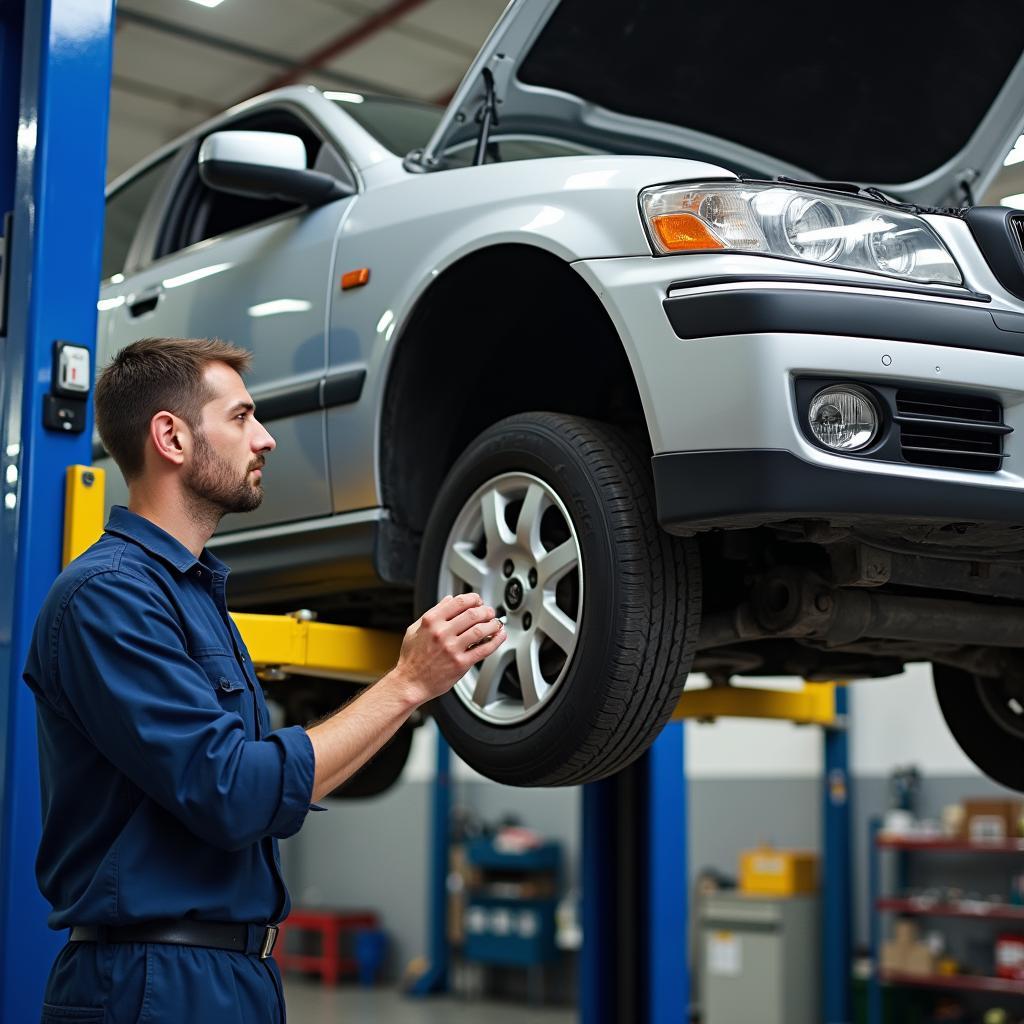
{"x":897,"y":721}
{"x":745,"y":748}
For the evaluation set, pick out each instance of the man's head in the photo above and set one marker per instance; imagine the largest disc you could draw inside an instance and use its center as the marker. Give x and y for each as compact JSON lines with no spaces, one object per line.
{"x":177,"y":408}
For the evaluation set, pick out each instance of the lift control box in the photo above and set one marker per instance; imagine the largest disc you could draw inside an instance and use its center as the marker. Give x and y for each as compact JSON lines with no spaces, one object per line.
{"x":65,"y":406}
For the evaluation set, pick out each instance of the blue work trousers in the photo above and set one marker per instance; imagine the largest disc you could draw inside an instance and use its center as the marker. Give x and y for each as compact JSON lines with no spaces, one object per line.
{"x":156,"y":983}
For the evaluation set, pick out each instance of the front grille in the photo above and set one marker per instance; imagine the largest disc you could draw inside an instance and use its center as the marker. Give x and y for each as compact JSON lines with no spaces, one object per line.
{"x":950,"y":431}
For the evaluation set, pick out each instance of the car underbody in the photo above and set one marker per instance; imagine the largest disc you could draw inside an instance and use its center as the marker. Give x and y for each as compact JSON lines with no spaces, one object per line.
{"x":827,"y":600}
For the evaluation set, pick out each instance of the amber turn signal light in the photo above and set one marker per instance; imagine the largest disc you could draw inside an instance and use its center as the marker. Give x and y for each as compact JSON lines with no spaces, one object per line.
{"x":355,"y":278}
{"x":680,"y":231}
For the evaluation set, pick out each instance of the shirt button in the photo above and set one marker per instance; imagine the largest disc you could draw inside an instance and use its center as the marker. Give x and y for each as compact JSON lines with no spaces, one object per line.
{"x":199,"y":573}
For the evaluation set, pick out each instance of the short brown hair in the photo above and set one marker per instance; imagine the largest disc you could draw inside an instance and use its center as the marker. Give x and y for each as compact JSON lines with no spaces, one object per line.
{"x":153,"y":374}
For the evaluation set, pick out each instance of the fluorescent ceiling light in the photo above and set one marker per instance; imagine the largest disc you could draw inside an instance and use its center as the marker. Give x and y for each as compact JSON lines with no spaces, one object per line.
{"x":275,"y":306}
{"x":344,"y":97}
{"x":208,"y":3}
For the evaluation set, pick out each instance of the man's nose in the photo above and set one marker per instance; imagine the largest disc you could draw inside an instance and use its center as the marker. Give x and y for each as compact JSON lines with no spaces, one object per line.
{"x":264,"y":440}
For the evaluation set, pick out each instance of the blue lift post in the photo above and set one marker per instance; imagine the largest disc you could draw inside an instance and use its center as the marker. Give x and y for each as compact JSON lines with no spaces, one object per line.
{"x":837,"y":934}
{"x":435,"y":980}
{"x":55,"y":68}
{"x":635,"y":959}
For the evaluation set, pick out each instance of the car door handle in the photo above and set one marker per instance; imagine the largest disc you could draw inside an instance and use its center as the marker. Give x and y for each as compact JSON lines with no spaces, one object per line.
{"x":144,"y":303}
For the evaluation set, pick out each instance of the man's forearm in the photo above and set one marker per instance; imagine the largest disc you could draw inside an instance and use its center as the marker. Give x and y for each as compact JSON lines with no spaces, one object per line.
{"x":348,"y":739}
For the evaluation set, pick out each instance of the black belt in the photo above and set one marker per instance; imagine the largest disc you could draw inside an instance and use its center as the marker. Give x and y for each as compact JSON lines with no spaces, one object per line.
{"x":254,"y":939}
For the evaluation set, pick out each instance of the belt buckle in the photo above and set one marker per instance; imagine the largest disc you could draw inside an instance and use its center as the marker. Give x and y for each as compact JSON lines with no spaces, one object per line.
{"x":269,"y":940}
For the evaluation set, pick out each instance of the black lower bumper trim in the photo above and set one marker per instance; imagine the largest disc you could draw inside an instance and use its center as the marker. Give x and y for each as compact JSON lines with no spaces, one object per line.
{"x":745,"y":488}
{"x":795,"y":311}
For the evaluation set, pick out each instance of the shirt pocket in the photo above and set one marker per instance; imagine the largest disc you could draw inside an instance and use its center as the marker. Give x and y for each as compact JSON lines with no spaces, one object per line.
{"x":229,"y":687}
{"x":54,"y":1014}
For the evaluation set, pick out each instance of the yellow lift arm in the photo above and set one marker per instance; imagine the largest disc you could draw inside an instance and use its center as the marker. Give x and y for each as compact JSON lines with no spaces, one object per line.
{"x":814,"y":704}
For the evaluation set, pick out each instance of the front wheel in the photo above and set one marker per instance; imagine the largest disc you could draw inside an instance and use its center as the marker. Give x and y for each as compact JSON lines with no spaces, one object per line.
{"x":986,"y":717}
{"x":550,"y":518}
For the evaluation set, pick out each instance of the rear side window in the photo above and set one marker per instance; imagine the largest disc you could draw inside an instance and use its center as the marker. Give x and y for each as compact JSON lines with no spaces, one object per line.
{"x":123,"y":214}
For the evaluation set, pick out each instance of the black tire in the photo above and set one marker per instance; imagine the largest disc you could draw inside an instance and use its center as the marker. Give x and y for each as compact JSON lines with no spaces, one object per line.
{"x":381,"y":772}
{"x":977,"y":713}
{"x":640,"y":614}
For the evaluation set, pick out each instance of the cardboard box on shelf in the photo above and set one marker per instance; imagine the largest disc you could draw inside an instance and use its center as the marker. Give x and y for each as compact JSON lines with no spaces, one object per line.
{"x":905,"y":952}
{"x":919,"y":959}
{"x":991,"y":820}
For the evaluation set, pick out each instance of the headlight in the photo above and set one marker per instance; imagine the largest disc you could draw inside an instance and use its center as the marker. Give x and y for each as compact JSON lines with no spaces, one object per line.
{"x":798,"y":224}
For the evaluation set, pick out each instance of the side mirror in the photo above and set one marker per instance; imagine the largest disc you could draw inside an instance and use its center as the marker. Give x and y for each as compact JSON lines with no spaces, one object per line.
{"x":265,"y":165}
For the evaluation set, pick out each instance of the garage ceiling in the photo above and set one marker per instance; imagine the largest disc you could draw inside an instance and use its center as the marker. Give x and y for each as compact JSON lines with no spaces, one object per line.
{"x":177,"y":63}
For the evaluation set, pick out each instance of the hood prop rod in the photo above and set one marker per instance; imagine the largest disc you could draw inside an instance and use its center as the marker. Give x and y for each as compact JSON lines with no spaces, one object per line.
{"x":487,"y":116}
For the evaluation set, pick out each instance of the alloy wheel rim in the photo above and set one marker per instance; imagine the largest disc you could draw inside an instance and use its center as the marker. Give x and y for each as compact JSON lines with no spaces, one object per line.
{"x":514,"y":543}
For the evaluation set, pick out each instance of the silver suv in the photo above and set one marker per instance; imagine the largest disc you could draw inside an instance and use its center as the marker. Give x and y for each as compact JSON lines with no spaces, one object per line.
{"x":732,"y":414}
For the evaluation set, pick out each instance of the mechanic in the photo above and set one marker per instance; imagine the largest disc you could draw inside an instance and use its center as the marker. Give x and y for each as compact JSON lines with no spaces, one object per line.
{"x":164,"y":791}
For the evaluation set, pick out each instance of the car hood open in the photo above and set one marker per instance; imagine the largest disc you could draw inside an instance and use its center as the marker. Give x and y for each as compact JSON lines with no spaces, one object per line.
{"x":920,"y":99}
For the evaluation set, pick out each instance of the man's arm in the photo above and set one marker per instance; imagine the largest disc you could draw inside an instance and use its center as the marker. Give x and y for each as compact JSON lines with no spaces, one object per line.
{"x":435,"y":656}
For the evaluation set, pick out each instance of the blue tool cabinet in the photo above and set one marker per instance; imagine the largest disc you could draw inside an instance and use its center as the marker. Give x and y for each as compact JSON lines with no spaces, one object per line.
{"x":509,"y":915}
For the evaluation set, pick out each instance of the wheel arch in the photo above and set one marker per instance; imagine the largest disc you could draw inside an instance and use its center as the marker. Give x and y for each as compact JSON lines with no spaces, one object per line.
{"x":509,"y":328}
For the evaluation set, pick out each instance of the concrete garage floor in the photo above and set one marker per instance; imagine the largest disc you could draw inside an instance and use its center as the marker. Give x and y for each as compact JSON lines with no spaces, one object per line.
{"x":309,"y":1002}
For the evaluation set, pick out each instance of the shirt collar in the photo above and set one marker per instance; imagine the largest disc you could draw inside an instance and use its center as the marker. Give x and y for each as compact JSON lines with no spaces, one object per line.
{"x":159,"y":543}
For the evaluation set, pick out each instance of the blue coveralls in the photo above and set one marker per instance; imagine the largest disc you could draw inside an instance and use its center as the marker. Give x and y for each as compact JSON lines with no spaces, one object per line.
{"x":163,"y":789}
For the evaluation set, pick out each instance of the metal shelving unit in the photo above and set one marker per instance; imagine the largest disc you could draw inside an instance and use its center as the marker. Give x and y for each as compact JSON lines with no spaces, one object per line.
{"x":972,"y":909}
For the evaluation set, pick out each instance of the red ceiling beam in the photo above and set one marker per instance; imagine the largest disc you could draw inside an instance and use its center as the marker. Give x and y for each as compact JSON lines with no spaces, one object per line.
{"x":366,"y":29}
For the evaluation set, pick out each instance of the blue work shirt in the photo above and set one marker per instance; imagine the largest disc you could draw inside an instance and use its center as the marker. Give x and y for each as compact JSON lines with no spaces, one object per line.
{"x":163,"y":789}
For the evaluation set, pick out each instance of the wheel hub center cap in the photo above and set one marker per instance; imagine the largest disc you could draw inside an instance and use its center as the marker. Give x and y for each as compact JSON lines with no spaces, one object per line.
{"x":513,"y":594}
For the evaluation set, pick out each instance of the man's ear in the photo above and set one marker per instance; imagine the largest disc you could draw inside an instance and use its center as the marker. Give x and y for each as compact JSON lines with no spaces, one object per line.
{"x":170,"y":437}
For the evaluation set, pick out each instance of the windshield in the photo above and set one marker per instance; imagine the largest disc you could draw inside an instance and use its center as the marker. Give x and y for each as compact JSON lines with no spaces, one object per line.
{"x":401,"y":125}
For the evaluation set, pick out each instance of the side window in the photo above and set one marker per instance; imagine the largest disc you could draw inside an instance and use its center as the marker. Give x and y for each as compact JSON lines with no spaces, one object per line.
{"x":198,"y":212}
{"x":124,"y":212}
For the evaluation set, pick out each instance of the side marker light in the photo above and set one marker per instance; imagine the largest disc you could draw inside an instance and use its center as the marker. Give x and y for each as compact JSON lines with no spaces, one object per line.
{"x":355,"y":278}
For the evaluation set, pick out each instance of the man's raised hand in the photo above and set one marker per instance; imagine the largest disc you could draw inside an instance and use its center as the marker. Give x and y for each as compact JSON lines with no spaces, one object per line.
{"x":445,"y":642}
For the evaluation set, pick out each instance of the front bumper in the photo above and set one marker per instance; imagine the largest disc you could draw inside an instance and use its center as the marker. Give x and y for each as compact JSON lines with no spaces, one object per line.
{"x":716,"y":365}
{"x":741,"y":489}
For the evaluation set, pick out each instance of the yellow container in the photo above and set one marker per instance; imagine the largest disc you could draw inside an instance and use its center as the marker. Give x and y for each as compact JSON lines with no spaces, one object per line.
{"x":770,"y":872}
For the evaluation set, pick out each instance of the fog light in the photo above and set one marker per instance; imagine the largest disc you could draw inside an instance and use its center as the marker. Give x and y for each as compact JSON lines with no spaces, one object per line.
{"x":843,"y":419}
